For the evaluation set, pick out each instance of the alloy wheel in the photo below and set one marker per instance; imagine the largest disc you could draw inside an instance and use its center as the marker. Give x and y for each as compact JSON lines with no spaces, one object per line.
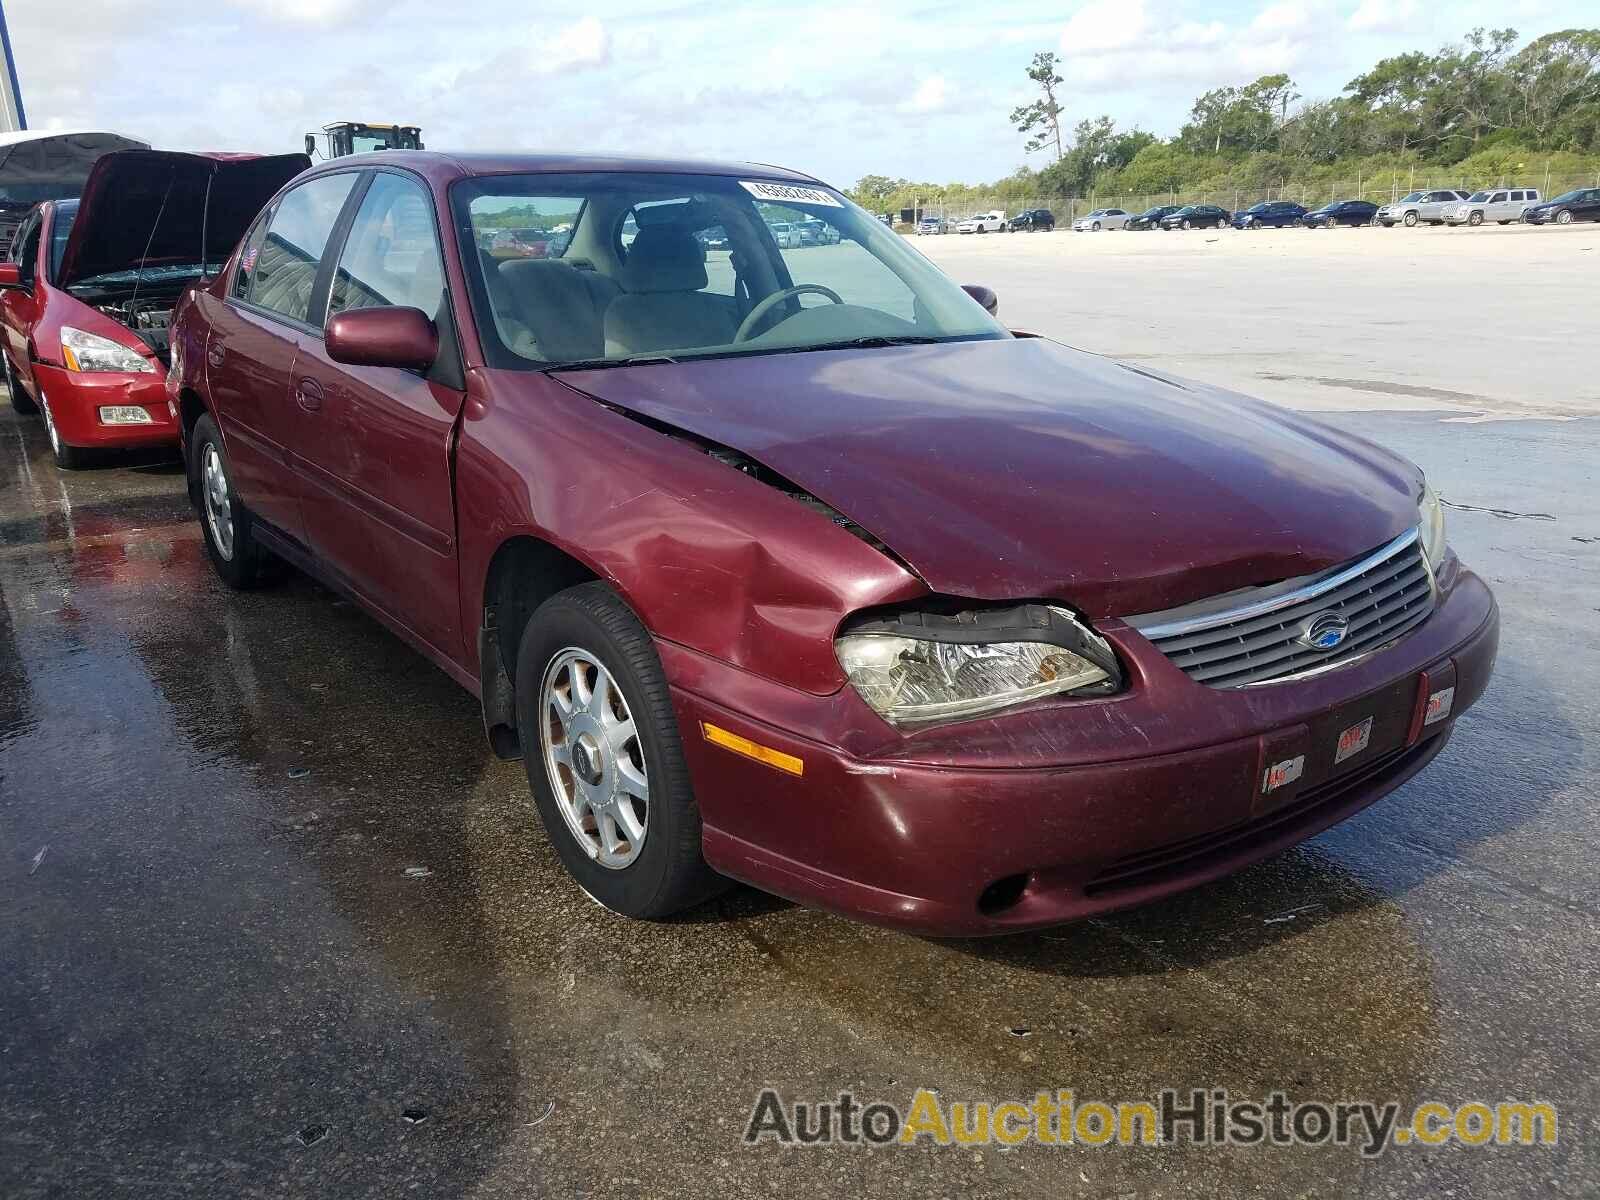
{"x":594,"y":758}
{"x":219,"y":509}
{"x":1563,"y":217}
{"x":49,"y":424}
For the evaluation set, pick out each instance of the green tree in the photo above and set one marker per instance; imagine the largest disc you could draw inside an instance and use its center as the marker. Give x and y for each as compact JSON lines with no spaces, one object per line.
{"x":1552,"y":78}
{"x":1041,"y":120}
{"x":872,"y":190}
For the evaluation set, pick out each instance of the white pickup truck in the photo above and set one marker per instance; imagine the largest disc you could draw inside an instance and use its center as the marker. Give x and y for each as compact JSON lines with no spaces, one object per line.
{"x":993,"y":221}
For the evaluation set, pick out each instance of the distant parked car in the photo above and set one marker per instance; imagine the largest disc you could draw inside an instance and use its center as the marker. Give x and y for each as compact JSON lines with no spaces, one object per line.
{"x":1432,"y":207}
{"x":1341,"y":212}
{"x":1150,"y":218}
{"x":1500,"y":205}
{"x":1102,"y":218}
{"x":1273,"y":214}
{"x":1197,"y":216}
{"x":1034,"y":220}
{"x":786,"y":234}
{"x":989,"y":222}
{"x":816,"y":233}
{"x":1580,"y":205}
{"x":933,"y":225}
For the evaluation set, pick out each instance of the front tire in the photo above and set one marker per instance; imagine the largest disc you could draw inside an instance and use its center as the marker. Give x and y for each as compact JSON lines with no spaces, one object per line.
{"x":1563,"y":217}
{"x":1475,"y":219}
{"x":68,"y":457}
{"x":1410,"y":220}
{"x":604,"y":760}
{"x":225,"y":523}
{"x":1095,"y":227}
{"x":1186,"y":224}
{"x":20,"y":400}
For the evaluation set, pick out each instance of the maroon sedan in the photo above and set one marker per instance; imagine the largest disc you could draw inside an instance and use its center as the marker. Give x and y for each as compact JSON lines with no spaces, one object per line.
{"x":793,"y":565}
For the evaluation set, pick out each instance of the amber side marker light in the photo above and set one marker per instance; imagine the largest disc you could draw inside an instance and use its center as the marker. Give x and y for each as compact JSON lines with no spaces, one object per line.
{"x":728,"y":740}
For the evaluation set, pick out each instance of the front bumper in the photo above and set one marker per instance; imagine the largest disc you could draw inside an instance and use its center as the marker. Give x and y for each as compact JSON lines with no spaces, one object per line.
{"x":76,"y":398}
{"x":1056,"y":812}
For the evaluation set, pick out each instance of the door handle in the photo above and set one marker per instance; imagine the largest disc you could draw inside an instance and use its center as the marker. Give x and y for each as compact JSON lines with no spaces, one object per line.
{"x":308,"y":394}
{"x":215,"y":354}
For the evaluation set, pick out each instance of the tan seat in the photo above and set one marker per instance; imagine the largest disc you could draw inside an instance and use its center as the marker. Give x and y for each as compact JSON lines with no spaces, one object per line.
{"x":662,"y":306}
{"x":562,"y":307}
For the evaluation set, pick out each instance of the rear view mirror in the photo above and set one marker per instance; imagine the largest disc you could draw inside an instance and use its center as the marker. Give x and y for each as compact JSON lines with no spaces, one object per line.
{"x":984,"y":296}
{"x":311,"y":145}
{"x":10,"y":275}
{"x":383,"y":337}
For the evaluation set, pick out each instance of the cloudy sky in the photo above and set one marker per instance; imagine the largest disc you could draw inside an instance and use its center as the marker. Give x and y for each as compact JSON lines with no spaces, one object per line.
{"x":918,"y":90}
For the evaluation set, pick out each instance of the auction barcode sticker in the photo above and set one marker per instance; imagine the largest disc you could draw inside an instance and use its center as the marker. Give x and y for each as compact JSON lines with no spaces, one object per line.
{"x":780,"y":193}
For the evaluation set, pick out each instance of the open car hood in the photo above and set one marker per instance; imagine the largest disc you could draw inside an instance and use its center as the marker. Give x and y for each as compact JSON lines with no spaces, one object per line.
{"x":1023,"y":469}
{"x":154,"y":207}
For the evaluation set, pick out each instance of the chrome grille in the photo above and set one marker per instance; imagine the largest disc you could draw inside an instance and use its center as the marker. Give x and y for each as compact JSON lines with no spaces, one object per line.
{"x":1254,"y":636}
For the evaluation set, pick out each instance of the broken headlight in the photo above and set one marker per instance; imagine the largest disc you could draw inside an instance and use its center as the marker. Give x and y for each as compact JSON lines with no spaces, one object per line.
{"x":1431,"y":528}
{"x":917,"y":667}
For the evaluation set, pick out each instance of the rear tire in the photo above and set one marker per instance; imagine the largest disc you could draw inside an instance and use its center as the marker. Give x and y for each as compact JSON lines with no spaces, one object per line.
{"x":225,"y":523}
{"x":589,"y":747}
{"x":20,"y":400}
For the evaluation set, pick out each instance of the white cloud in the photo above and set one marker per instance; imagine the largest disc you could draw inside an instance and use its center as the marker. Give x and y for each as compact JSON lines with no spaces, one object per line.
{"x":324,"y":13}
{"x":584,"y":43}
{"x":931,"y":95}
{"x":1105,"y":25}
{"x":1108,"y":45}
{"x":1384,"y":16}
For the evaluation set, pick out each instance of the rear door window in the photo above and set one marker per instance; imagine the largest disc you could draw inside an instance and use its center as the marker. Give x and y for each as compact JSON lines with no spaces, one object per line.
{"x":284,"y":272}
{"x":248,"y":256}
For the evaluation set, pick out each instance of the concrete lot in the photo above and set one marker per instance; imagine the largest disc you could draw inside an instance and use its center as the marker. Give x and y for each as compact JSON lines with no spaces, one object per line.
{"x":1496,"y":320}
{"x":286,"y":891}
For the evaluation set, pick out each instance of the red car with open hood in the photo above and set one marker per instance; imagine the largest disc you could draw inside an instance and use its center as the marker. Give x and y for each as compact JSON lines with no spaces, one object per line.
{"x":87,"y":296}
{"x":791,"y":564}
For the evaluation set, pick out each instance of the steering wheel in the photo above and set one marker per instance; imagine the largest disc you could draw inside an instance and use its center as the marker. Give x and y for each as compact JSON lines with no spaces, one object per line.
{"x":753,"y":318}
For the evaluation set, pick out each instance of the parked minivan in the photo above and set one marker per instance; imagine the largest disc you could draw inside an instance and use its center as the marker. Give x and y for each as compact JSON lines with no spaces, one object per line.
{"x":1501,"y":205}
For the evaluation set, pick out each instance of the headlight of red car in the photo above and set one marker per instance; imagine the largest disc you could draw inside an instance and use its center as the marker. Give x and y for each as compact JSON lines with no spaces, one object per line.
{"x":919,"y":667}
{"x":83,"y":351}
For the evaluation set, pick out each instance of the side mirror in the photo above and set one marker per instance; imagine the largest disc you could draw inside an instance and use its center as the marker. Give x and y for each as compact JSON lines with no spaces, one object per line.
{"x":984,"y":296}
{"x":10,"y":275}
{"x":311,"y":145}
{"x":383,"y":337}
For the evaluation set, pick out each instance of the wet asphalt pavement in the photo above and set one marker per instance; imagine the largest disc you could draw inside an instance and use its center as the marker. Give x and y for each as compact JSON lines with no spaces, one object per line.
{"x":286,"y":895}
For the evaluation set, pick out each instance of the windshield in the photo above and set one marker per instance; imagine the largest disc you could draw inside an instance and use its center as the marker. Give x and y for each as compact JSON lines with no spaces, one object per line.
{"x":66,"y":214}
{"x":1569,"y":197}
{"x":705,"y":275}
{"x":1478,"y":197}
{"x":1413,"y":196}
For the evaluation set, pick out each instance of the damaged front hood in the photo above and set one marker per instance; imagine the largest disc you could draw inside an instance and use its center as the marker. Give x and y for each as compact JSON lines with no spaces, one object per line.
{"x":1024,"y":469}
{"x":154,"y":207}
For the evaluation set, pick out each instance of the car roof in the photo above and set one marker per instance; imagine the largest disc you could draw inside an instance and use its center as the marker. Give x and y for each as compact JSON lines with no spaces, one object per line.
{"x":442,"y":167}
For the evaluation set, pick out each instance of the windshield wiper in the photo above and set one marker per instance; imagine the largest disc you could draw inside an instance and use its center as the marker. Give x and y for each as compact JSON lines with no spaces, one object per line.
{"x":873,"y":341}
{"x":593,"y":364}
